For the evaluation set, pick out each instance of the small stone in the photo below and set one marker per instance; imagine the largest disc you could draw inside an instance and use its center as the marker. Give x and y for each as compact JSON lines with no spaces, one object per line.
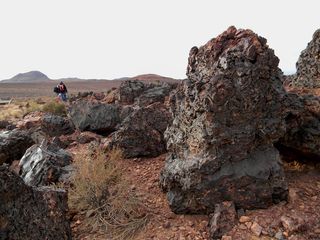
{"x":292,"y":224}
{"x":248,"y":224}
{"x":279,"y":236}
{"x":244,"y":219}
{"x":225,"y":237}
{"x":242,"y":227}
{"x":256,"y":229}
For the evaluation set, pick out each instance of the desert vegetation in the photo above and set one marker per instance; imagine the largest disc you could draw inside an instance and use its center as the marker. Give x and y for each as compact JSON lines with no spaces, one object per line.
{"x":99,"y":188}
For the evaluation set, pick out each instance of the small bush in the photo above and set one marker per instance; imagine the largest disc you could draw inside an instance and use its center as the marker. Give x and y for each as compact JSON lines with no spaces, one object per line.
{"x":100,"y":188}
{"x":55,"y":107}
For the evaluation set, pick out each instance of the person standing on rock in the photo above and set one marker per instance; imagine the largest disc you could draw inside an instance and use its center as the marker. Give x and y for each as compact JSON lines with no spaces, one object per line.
{"x":62,"y":91}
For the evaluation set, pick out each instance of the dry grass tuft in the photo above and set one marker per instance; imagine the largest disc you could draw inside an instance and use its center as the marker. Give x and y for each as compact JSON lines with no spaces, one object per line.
{"x":100,"y":189}
{"x":18,"y":108}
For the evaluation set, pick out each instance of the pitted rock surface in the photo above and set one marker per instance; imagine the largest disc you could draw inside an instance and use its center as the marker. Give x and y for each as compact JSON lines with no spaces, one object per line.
{"x":141,"y":133}
{"x":31,"y":213}
{"x":308,"y":65}
{"x":54,"y":125}
{"x":303,"y":125}
{"x":227,"y":115}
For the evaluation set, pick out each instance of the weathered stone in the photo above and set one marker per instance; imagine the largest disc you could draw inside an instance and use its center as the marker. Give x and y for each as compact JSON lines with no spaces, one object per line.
{"x":292,"y":223}
{"x":155,"y":94}
{"x":227,"y":115}
{"x":43,"y":164}
{"x":86,"y":137}
{"x":13,"y":145}
{"x":256,"y":229}
{"x":95,"y":117}
{"x":129,"y":90}
{"x":303,"y":126}
{"x":222,"y":220}
{"x":244,"y":219}
{"x":308,"y":65}
{"x":31,"y":213}
{"x":54,"y":125}
{"x":141,"y":133}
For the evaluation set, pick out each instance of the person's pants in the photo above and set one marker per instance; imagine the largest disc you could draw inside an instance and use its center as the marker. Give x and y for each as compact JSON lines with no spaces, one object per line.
{"x":63,"y":96}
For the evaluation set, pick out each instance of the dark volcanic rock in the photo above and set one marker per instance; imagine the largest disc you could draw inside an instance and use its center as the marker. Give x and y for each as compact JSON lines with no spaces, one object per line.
{"x":31,"y":213}
{"x":95,"y":117}
{"x":141,"y":133}
{"x":43,"y":164}
{"x":222,"y":220}
{"x":227,"y":115}
{"x":155,"y":94}
{"x":308,"y":65}
{"x":4,"y":124}
{"x":13,"y":145}
{"x":303,"y":125}
{"x":54,"y":125}
{"x":129,"y":90}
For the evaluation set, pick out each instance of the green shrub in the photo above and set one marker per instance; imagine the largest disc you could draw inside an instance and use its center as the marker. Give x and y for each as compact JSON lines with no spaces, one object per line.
{"x":55,"y":107}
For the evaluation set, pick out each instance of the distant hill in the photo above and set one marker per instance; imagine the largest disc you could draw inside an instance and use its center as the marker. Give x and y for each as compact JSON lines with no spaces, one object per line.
{"x":33,"y":76}
{"x":154,"y":78}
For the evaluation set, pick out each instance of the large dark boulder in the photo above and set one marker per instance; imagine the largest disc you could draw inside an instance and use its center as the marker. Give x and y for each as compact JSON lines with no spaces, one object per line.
{"x":141,"y":133}
{"x":303,"y":126}
{"x":13,"y":145}
{"x":95,"y":117}
{"x":54,"y":125}
{"x":227,"y":115}
{"x":44,"y":164}
{"x":155,"y":94}
{"x":31,"y":213}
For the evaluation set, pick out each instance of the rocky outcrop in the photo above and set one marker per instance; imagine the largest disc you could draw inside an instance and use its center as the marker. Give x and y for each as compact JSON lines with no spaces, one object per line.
{"x":95,"y":117}
{"x":44,"y":164}
{"x":141,"y":133}
{"x":155,"y":94}
{"x":31,"y":213}
{"x":227,"y":115}
{"x":129,"y":90}
{"x":303,"y":126}
{"x":54,"y":125}
{"x":140,"y":93}
{"x":13,"y":145}
{"x":308,"y":65}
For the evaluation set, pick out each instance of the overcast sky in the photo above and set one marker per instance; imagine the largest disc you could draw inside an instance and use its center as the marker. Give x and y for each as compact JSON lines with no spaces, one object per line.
{"x":116,"y":38}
